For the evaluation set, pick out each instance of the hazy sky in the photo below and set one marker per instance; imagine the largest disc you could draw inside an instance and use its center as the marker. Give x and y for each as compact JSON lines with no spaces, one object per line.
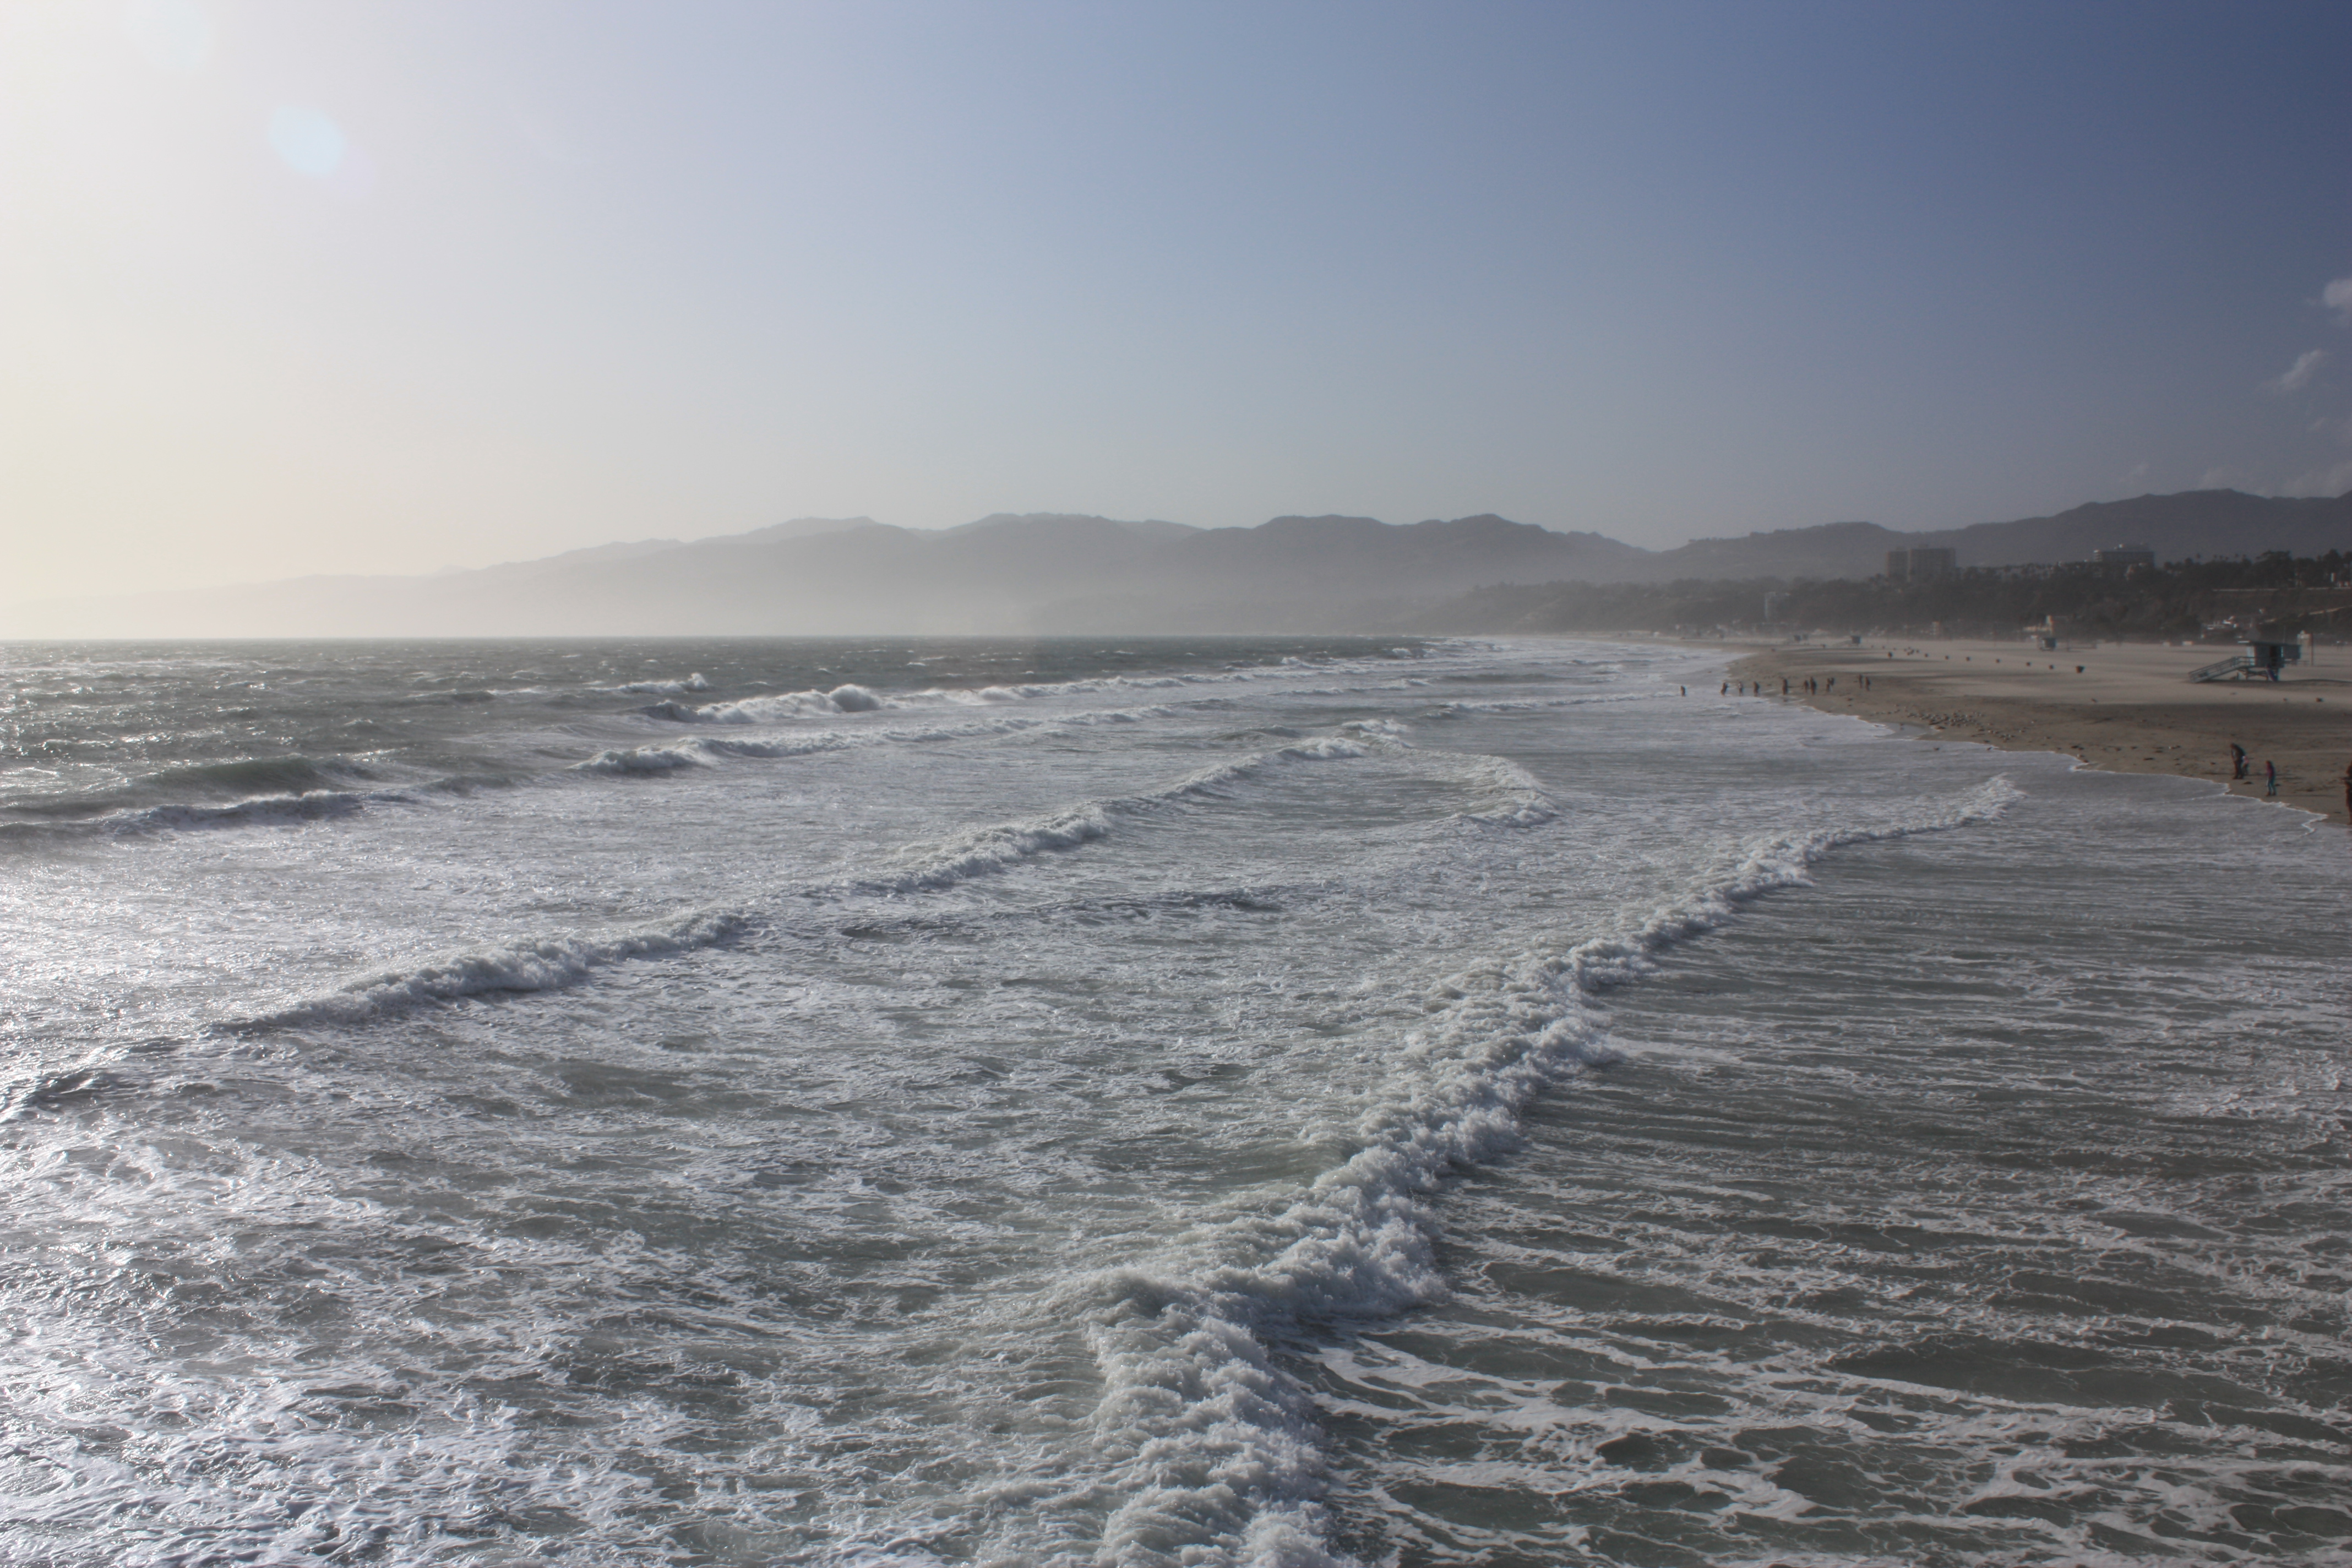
{"x":316,"y":286}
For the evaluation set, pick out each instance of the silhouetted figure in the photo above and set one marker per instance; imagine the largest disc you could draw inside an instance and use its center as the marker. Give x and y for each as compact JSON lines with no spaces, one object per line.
{"x":2270,"y":779}
{"x":2237,"y":761}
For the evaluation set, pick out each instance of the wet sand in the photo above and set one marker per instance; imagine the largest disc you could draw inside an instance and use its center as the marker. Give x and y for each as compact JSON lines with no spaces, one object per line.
{"x":2131,"y":708}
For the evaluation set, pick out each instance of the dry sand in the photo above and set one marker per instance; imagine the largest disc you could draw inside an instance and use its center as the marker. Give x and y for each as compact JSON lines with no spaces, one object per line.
{"x":2131,"y":709}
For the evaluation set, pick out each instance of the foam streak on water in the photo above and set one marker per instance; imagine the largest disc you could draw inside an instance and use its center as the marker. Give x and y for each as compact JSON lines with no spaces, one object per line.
{"x":1155,"y":1104}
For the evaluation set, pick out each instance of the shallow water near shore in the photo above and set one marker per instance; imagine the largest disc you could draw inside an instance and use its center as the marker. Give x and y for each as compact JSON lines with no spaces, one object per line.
{"x":1282,"y":1101}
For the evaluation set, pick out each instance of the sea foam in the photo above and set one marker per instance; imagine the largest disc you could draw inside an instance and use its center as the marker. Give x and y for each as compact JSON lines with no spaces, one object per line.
{"x":1211,"y":1446}
{"x":545,"y":964}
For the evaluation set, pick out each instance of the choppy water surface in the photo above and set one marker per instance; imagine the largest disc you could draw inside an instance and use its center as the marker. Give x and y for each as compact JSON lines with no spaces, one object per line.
{"x":1280,"y":1102}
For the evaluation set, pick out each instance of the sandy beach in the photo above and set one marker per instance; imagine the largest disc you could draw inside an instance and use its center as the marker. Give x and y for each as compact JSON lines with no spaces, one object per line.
{"x":2125,"y":706}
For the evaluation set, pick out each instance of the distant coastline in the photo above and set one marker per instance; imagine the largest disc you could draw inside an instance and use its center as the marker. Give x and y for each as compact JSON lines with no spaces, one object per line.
{"x":1048,"y":574}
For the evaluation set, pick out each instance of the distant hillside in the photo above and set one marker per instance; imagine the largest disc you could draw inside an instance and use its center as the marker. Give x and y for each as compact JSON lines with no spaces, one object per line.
{"x":1044,"y":572}
{"x":2216,"y":598}
{"x":1030,"y":573}
{"x":2177,"y":527}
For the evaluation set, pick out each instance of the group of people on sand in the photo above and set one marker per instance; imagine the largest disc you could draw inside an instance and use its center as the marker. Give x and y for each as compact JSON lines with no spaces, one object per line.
{"x":2239,"y":763}
{"x":1808,"y":686}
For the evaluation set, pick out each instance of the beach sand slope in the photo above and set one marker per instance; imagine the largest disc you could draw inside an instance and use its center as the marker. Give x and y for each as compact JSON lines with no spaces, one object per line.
{"x":2127,"y":708}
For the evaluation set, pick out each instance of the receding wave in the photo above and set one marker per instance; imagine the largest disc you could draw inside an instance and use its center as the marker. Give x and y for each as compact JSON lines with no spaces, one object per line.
{"x":1211,"y":1445}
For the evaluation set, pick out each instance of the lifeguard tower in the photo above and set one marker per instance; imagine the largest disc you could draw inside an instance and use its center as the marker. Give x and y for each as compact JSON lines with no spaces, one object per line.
{"x":2261,"y":656}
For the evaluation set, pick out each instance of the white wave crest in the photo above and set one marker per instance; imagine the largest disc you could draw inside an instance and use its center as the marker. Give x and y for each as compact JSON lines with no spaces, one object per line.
{"x":260,"y":810}
{"x":777,"y":708}
{"x":989,"y":850}
{"x":1211,"y":1446}
{"x":1508,"y":795}
{"x":695,"y":682}
{"x":984,"y":850}
{"x":546,"y":964}
{"x":1511,"y":796}
{"x":785,"y":706}
{"x":702,"y":751}
{"x":566,"y":960}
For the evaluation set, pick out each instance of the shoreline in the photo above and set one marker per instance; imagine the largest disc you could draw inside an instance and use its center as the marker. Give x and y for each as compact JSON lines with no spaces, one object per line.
{"x":2120,"y":707}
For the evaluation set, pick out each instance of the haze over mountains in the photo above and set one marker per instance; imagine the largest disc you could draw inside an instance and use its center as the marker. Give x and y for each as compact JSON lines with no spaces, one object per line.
{"x":1048,"y":572}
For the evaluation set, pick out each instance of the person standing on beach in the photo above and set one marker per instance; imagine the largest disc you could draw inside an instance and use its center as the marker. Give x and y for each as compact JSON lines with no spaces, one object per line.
{"x":2237,"y":761}
{"x":2269,"y":780}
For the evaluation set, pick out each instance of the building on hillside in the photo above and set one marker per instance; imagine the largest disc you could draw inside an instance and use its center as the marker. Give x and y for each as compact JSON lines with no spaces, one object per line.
{"x":2123,"y":557}
{"x":1918,"y":564}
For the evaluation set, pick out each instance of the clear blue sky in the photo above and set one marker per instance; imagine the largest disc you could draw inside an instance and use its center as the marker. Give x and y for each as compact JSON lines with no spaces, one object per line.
{"x":320,"y":286}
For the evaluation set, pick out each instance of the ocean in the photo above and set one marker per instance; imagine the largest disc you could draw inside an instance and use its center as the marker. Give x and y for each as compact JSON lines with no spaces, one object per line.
{"x":1277,"y":1101}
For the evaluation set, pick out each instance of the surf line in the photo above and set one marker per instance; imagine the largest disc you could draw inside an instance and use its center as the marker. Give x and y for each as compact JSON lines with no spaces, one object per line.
{"x":557,"y":961}
{"x":1212,"y":1446}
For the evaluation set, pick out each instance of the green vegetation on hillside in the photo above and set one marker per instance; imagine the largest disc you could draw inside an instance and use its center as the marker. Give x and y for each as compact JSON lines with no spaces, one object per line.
{"x":2178,"y":599}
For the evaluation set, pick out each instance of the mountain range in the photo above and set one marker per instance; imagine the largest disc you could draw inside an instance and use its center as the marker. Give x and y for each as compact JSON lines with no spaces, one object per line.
{"x":1054,"y":572}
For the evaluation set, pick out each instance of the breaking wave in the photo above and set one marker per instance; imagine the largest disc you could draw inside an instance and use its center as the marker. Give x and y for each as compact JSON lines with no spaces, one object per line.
{"x":695,"y":682}
{"x":985,"y":850}
{"x":1210,"y":1443}
{"x":557,"y":961}
{"x":269,"y":810}
{"x":701,"y":750}
{"x":785,"y":707}
{"x":547,"y":964}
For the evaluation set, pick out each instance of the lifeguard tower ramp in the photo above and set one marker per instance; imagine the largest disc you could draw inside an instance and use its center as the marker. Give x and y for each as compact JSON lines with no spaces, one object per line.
{"x":2257,"y":659}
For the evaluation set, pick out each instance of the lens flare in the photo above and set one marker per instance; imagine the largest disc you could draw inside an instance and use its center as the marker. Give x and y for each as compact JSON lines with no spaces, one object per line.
{"x":309,"y":140}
